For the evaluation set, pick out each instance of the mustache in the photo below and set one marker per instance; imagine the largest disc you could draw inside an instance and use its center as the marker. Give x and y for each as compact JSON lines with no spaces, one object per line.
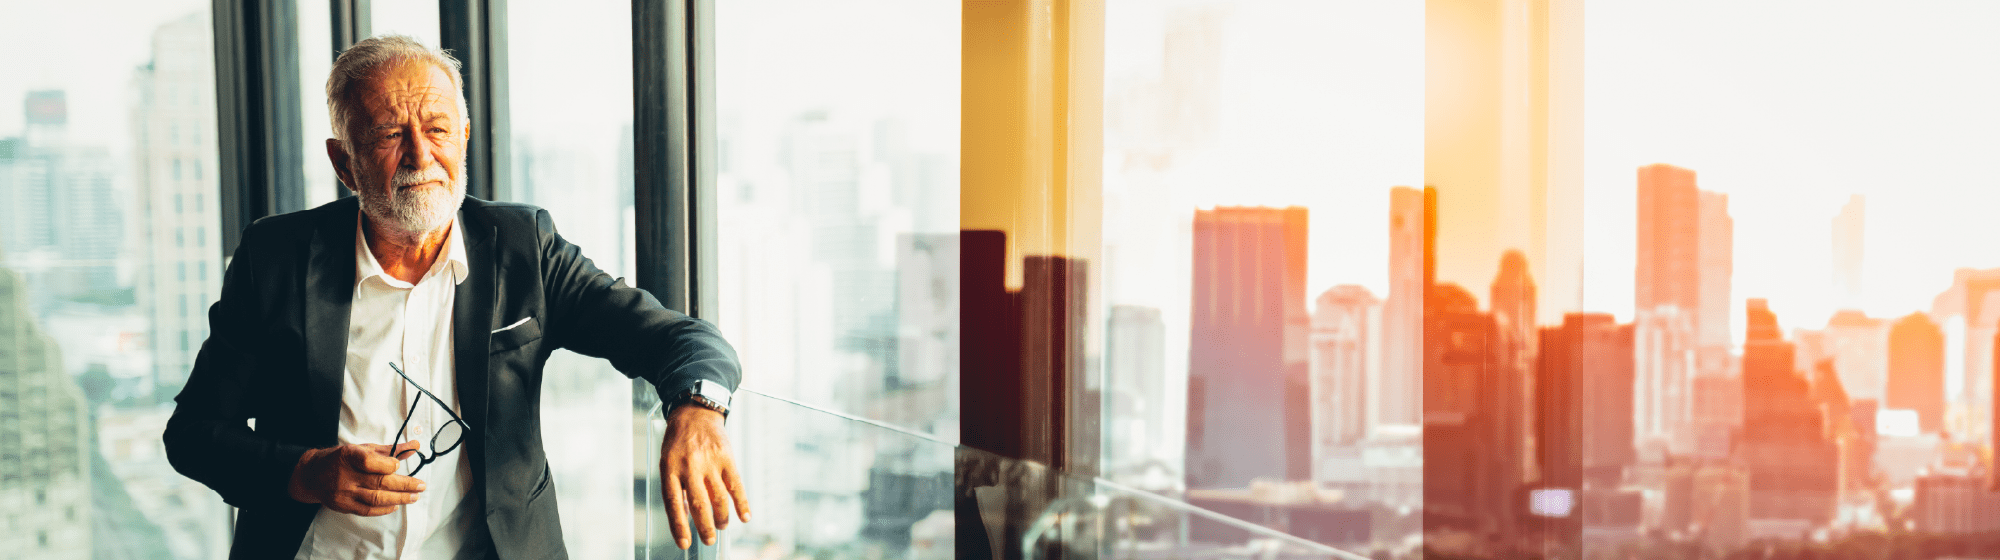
{"x":408,"y":177}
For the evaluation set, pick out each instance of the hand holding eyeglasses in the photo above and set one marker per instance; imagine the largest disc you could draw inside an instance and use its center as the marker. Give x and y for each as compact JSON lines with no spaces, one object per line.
{"x":359,"y":479}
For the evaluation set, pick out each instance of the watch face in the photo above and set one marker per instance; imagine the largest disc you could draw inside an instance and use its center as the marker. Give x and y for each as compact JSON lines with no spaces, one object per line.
{"x":711,"y":391}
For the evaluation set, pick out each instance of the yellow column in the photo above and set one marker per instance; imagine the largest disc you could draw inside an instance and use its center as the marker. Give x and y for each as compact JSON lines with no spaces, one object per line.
{"x":1031,"y":141}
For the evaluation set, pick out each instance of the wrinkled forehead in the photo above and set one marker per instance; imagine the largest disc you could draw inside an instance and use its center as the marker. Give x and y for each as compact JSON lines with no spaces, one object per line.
{"x":402,"y":90}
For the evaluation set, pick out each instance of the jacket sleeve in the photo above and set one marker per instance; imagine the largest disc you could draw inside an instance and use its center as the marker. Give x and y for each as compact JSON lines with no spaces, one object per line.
{"x":595,"y":315}
{"x":208,"y":438}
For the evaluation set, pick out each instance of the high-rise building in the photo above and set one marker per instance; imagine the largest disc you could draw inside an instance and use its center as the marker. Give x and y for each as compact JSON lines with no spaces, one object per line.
{"x":1590,"y":357}
{"x":1135,"y":442}
{"x":1847,"y":250}
{"x":1503,"y":140}
{"x":1916,"y":370}
{"x":44,"y":439}
{"x":1341,"y":367}
{"x":1718,"y":415}
{"x":175,"y":179}
{"x":1669,"y":253}
{"x":1663,"y":386}
{"x":1972,"y":301}
{"x":1794,"y":467}
{"x":1955,"y":504}
{"x":1859,"y":347}
{"x":1399,"y":396}
{"x":1481,"y":414}
{"x":60,"y":222}
{"x":1716,"y":233}
{"x":1681,"y":294}
{"x":1248,"y":387}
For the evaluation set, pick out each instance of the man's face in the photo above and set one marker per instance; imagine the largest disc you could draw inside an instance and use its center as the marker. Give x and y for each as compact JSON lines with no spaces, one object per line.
{"x":408,"y":148}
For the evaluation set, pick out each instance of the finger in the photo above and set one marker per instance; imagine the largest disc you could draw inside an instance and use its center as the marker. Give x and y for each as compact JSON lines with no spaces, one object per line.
{"x":402,"y":450}
{"x":718,"y":497}
{"x":676,"y":506}
{"x":352,"y":506}
{"x":382,"y":498}
{"x":380,"y":464}
{"x":704,"y":516}
{"x":734,"y":482}
{"x":396,"y":482}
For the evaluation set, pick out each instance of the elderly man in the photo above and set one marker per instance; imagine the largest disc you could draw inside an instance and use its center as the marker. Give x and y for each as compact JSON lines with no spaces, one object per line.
{"x":370,"y":385}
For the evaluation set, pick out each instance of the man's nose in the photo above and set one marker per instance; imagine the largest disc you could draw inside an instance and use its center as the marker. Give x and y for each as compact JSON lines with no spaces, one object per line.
{"x":417,"y":151}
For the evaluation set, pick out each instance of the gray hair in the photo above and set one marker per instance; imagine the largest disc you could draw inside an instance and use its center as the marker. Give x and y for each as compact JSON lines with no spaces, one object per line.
{"x":362,"y":60}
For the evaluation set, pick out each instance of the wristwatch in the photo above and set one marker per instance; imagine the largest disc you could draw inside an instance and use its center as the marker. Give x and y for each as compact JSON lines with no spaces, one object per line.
{"x":706,"y":394}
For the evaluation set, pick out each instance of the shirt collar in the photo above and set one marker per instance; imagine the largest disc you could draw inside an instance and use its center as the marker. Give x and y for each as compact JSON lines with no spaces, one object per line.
{"x":367,"y":267}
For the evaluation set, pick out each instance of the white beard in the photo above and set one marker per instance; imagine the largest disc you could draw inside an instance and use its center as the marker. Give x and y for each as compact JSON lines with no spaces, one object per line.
{"x":415,"y":211}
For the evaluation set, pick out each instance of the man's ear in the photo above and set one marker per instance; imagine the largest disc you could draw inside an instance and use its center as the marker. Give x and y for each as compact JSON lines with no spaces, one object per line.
{"x":339,"y":157}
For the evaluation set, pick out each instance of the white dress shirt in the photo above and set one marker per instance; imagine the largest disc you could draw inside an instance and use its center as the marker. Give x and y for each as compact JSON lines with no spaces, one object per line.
{"x":409,"y":324}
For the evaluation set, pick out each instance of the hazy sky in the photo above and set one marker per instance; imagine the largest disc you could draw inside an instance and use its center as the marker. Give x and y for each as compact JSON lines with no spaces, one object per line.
{"x":1789,"y":107}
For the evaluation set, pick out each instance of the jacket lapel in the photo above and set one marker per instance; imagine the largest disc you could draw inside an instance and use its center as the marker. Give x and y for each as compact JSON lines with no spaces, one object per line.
{"x":472,"y":324}
{"x":329,"y":296}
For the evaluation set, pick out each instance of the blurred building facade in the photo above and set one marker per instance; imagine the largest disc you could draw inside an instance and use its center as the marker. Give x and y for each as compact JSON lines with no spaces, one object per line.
{"x":1248,"y":381}
{"x":177,"y":214}
{"x":1916,"y":370}
{"x":1794,"y":468}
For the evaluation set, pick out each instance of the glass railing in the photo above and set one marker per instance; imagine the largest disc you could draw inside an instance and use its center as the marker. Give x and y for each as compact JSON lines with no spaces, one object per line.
{"x":832,"y":485}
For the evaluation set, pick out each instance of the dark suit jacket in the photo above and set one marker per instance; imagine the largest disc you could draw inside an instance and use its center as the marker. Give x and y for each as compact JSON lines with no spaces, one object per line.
{"x":277,"y":348}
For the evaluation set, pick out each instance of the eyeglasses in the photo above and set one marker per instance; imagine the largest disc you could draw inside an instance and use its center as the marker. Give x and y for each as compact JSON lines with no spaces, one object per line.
{"x":448,"y":436}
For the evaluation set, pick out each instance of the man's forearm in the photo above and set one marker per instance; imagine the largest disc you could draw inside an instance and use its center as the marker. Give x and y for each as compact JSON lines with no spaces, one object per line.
{"x":246,"y":468}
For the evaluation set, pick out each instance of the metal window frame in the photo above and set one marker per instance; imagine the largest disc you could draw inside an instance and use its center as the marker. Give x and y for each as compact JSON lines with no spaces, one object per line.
{"x":674,"y":154}
{"x":257,"y":113}
{"x":673,"y":148}
{"x":475,"y":31}
{"x":352,"y":20}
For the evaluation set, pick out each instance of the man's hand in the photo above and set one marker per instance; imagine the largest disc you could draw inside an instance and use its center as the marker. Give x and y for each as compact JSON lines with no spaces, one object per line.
{"x":698,"y":475}
{"x":357,"y":479}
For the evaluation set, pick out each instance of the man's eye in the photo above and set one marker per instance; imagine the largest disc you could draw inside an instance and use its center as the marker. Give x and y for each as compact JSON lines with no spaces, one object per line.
{"x":435,"y":130}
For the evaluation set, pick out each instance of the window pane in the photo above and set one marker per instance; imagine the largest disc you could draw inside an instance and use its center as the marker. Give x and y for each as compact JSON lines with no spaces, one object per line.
{"x":416,"y":18}
{"x":1262,"y":278}
{"x":837,"y":201}
{"x":315,"y":126}
{"x":571,"y":103}
{"x":97,"y":153}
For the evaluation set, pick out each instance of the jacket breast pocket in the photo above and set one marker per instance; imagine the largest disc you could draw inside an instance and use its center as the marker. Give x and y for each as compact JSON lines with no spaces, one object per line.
{"x":520,"y":334}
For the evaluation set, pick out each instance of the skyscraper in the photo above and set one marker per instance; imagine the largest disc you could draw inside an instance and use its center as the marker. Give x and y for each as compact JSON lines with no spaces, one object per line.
{"x":1248,"y":386}
{"x":1481,"y":409}
{"x":1591,"y":353}
{"x":1135,"y":396}
{"x":1681,"y":298}
{"x":1565,"y":377}
{"x":1859,"y":347}
{"x":1972,"y":301}
{"x":1916,"y":370}
{"x":60,"y":223}
{"x":1794,"y":468}
{"x":1717,"y":232}
{"x":1847,"y":250}
{"x":177,"y":209}
{"x":1399,"y":397}
{"x":1663,"y":389}
{"x":1340,"y":364}
{"x":1669,"y":253}
{"x":1503,"y":134}
{"x":44,"y":438}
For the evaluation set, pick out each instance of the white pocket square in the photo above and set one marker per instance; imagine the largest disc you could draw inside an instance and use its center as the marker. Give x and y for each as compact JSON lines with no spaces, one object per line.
{"x":523,"y":321}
